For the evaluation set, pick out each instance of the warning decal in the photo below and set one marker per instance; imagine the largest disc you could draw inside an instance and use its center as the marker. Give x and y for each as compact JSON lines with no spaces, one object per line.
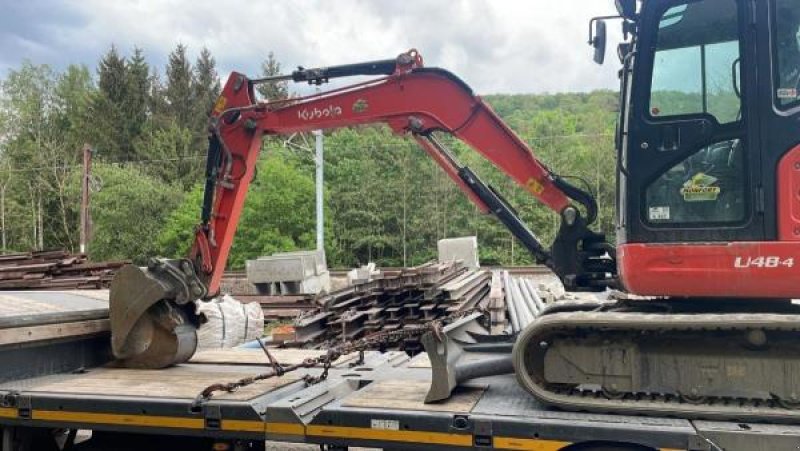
{"x":700,"y":188}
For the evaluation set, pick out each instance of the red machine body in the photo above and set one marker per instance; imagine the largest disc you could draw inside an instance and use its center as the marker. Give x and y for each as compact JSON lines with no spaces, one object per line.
{"x":738,"y":269}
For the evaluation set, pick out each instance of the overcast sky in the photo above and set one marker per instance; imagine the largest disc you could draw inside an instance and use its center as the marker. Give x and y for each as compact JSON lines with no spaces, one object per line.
{"x":506,"y":46}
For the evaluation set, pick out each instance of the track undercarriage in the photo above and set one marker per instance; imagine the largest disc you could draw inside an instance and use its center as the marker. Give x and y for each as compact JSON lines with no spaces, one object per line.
{"x":736,"y":361}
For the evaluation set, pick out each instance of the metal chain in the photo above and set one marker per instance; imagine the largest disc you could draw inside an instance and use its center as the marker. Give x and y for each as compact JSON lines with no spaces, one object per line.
{"x":329,"y":358}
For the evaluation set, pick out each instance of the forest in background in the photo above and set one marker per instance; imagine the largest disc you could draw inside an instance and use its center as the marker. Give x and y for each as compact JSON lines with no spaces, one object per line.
{"x":385,"y":200}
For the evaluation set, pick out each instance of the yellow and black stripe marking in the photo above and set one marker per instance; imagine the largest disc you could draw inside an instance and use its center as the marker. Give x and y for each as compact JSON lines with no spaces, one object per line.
{"x":160,"y":421}
{"x":433,"y":438}
{"x":266,"y":428}
{"x":529,"y":444}
{"x":118,"y":419}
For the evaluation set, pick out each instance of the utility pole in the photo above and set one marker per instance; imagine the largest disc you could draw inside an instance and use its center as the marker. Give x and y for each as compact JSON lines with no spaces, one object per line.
{"x":319,"y":189}
{"x":319,"y":184}
{"x":3,"y":214}
{"x":86,"y":219}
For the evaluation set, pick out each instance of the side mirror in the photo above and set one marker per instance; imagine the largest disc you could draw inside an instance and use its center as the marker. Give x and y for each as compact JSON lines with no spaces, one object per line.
{"x":599,"y":42}
{"x":626,"y":8}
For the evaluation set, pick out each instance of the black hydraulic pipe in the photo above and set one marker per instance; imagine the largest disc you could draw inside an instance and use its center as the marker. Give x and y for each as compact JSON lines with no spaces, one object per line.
{"x":506,"y":215}
{"x":321,"y":75}
{"x":212,"y":163}
{"x":497,"y":205}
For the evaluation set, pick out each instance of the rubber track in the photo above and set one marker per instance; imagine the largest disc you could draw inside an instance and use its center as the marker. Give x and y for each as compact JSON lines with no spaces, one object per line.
{"x":652,"y":404}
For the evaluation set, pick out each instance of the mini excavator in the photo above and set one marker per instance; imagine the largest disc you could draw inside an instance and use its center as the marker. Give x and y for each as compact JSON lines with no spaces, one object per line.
{"x":707,"y":212}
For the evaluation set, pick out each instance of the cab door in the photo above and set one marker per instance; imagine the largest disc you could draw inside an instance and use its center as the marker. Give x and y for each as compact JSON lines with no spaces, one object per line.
{"x":691,"y":164}
{"x":779,"y":113}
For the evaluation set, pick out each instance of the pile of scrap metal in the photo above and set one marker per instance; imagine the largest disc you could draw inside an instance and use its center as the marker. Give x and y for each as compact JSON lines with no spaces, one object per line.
{"x":390,"y":300}
{"x":54,"y":270}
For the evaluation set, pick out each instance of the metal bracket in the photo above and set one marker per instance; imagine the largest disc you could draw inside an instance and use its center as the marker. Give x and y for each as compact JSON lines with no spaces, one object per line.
{"x":24,"y":409}
{"x":482,"y":433}
{"x":9,"y":399}
{"x":213,"y":417}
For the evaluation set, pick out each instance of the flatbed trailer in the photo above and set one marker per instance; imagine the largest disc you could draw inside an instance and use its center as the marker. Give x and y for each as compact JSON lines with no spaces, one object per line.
{"x":374,"y":403}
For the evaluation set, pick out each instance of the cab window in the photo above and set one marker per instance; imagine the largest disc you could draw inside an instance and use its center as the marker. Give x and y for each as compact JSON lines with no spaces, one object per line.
{"x":697,"y":70}
{"x":787,"y":53}
{"x":696,"y":65}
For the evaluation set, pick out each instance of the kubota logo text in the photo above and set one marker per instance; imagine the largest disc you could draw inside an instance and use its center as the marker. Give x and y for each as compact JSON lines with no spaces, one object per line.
{"x":330,"y":111}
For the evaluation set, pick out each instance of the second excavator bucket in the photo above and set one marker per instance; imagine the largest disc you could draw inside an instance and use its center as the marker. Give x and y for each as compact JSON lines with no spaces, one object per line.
{"x":152,"y":316}
{"x":447,"y":352}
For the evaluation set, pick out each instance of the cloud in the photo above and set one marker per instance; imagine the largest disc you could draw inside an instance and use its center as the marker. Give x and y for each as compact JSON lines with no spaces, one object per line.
{"x":511,"y":46}
{"x":31,"y":30}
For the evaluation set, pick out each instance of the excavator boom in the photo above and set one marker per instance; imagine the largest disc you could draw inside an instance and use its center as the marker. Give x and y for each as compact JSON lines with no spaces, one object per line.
{"x":411,"y":100}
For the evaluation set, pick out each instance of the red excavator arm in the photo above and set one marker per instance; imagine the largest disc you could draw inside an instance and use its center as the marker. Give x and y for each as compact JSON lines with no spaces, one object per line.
{"x":411,"y":100}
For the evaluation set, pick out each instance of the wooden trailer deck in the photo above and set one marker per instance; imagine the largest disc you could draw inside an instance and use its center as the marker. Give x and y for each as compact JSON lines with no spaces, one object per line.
{"x":70,"y":382}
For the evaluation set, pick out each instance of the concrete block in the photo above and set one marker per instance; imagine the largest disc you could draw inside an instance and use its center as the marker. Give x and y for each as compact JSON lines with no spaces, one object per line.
{"x":286,"y":267}
{"x":363,"y":274}
{"x":463,"y":248}
{"x":317,"y":284}
{"x":311,"y":285}
{"x":318,"y":257}
{"x":277,"y":269}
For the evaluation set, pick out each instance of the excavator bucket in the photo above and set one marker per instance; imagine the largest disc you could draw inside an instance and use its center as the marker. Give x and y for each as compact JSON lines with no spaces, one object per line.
{"x":150,"y":327}
{"x":447,"y":352}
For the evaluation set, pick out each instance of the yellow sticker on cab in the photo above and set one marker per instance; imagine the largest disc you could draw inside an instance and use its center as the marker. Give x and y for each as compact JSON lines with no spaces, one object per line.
{"x":700,"y":188}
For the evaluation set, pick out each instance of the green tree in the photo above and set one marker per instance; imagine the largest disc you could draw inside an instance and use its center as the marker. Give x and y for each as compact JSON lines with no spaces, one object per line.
{"x":157,"y":100}
{"x":206,"y":85}
{"x":128,"y":213}
{"x":108,"y":130}
{"x":113,"y":78}
{"x":179,"y":92}
{"x":38,"y":153}
{"x":73,"y":95}
{"x":168,"y":153}
{"x":135,"y":105}
{"x":279,"y":90}
{"x":278,"y":215}
{"x":206,"y":90}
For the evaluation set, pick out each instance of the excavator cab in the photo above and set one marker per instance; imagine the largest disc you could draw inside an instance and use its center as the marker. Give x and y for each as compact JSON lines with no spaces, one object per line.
{"x":708,"y":221}
{"x":708,"y":158}
{"x":706,"y":147}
